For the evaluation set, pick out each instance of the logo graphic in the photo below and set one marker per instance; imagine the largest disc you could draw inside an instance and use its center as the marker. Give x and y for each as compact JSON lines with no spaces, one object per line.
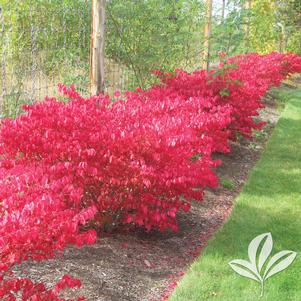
{"x":253,"y":268}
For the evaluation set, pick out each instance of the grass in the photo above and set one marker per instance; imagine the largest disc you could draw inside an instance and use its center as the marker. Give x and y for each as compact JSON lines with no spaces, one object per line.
{"x":269,"y":202}
{"x":227,"y":183}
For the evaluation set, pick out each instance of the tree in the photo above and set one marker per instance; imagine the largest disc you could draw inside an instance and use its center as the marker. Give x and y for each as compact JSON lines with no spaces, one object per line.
{"x":207,"y":35}
{"x":153,"y":34}
{"x":289,"y":17}
{"x":264,"y":34}
{"x":97,"y":46}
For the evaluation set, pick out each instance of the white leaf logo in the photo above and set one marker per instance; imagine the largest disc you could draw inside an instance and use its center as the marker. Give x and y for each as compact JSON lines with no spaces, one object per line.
{"x":288,"y":258}
{"x":245,"y":268}
{"x":259,"y":250}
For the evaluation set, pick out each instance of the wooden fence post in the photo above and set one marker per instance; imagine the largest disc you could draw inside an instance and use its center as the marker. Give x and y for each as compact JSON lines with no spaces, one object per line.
{"x":207,"y":34}
{"x":97,"y":73}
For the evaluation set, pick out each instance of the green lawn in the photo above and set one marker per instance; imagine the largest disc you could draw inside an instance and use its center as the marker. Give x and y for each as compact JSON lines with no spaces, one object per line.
{"x":269,"y":202}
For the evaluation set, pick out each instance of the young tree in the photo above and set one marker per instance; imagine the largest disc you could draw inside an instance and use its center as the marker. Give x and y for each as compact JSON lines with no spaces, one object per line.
{"x":264,"y":32}
{"x":207,"y":35}
{"x":289,"y":19}
{"x":153,"y":34}
{"x":97,"y":46}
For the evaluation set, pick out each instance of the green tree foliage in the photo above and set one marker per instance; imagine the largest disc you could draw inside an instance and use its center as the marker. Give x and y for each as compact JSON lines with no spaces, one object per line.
{"x":227,"y":32}
{"x":53,"y":36}
{"x":264,"y":32}
{"x":54,"y":31}
{"x":140,"y":35}
{"x":289,"y":16}
{"x":266,"y":26}
{"x":154,"y":34}
{"x":276,"y":25}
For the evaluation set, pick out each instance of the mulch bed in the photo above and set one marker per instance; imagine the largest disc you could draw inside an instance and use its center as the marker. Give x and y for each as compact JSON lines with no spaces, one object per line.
{"x":140,"y":266}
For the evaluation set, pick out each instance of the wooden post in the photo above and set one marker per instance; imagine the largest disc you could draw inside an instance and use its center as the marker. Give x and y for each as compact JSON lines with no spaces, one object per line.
{"x":207,"y":34}
{"x":97,"y":47}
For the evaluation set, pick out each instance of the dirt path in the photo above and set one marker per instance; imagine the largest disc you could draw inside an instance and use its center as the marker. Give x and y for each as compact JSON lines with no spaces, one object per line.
{"x":143,"y":266}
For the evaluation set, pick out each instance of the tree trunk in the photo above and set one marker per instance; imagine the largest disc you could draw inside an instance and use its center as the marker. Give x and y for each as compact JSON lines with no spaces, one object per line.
{"x":207,"y":34}
{"x":97,"y":47}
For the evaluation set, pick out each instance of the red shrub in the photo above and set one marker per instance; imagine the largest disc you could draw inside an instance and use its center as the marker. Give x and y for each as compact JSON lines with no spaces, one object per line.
{"x":131,"y":159}
{"x":137,"y":161}
{"x":27,"y":290}
{"x":239,"y":82}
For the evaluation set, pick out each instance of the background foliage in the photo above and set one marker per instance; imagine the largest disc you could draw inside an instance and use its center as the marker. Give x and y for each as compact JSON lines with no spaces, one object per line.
{"x":44,"y":42}
{"x":154,"y":34}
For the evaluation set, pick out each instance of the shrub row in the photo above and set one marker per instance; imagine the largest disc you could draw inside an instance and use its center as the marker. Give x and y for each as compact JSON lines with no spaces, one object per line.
{"x":137,"y":160}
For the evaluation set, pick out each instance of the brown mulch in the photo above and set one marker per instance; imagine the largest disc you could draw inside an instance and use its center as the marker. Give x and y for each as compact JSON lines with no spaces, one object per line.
{"x":140,"y":266}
